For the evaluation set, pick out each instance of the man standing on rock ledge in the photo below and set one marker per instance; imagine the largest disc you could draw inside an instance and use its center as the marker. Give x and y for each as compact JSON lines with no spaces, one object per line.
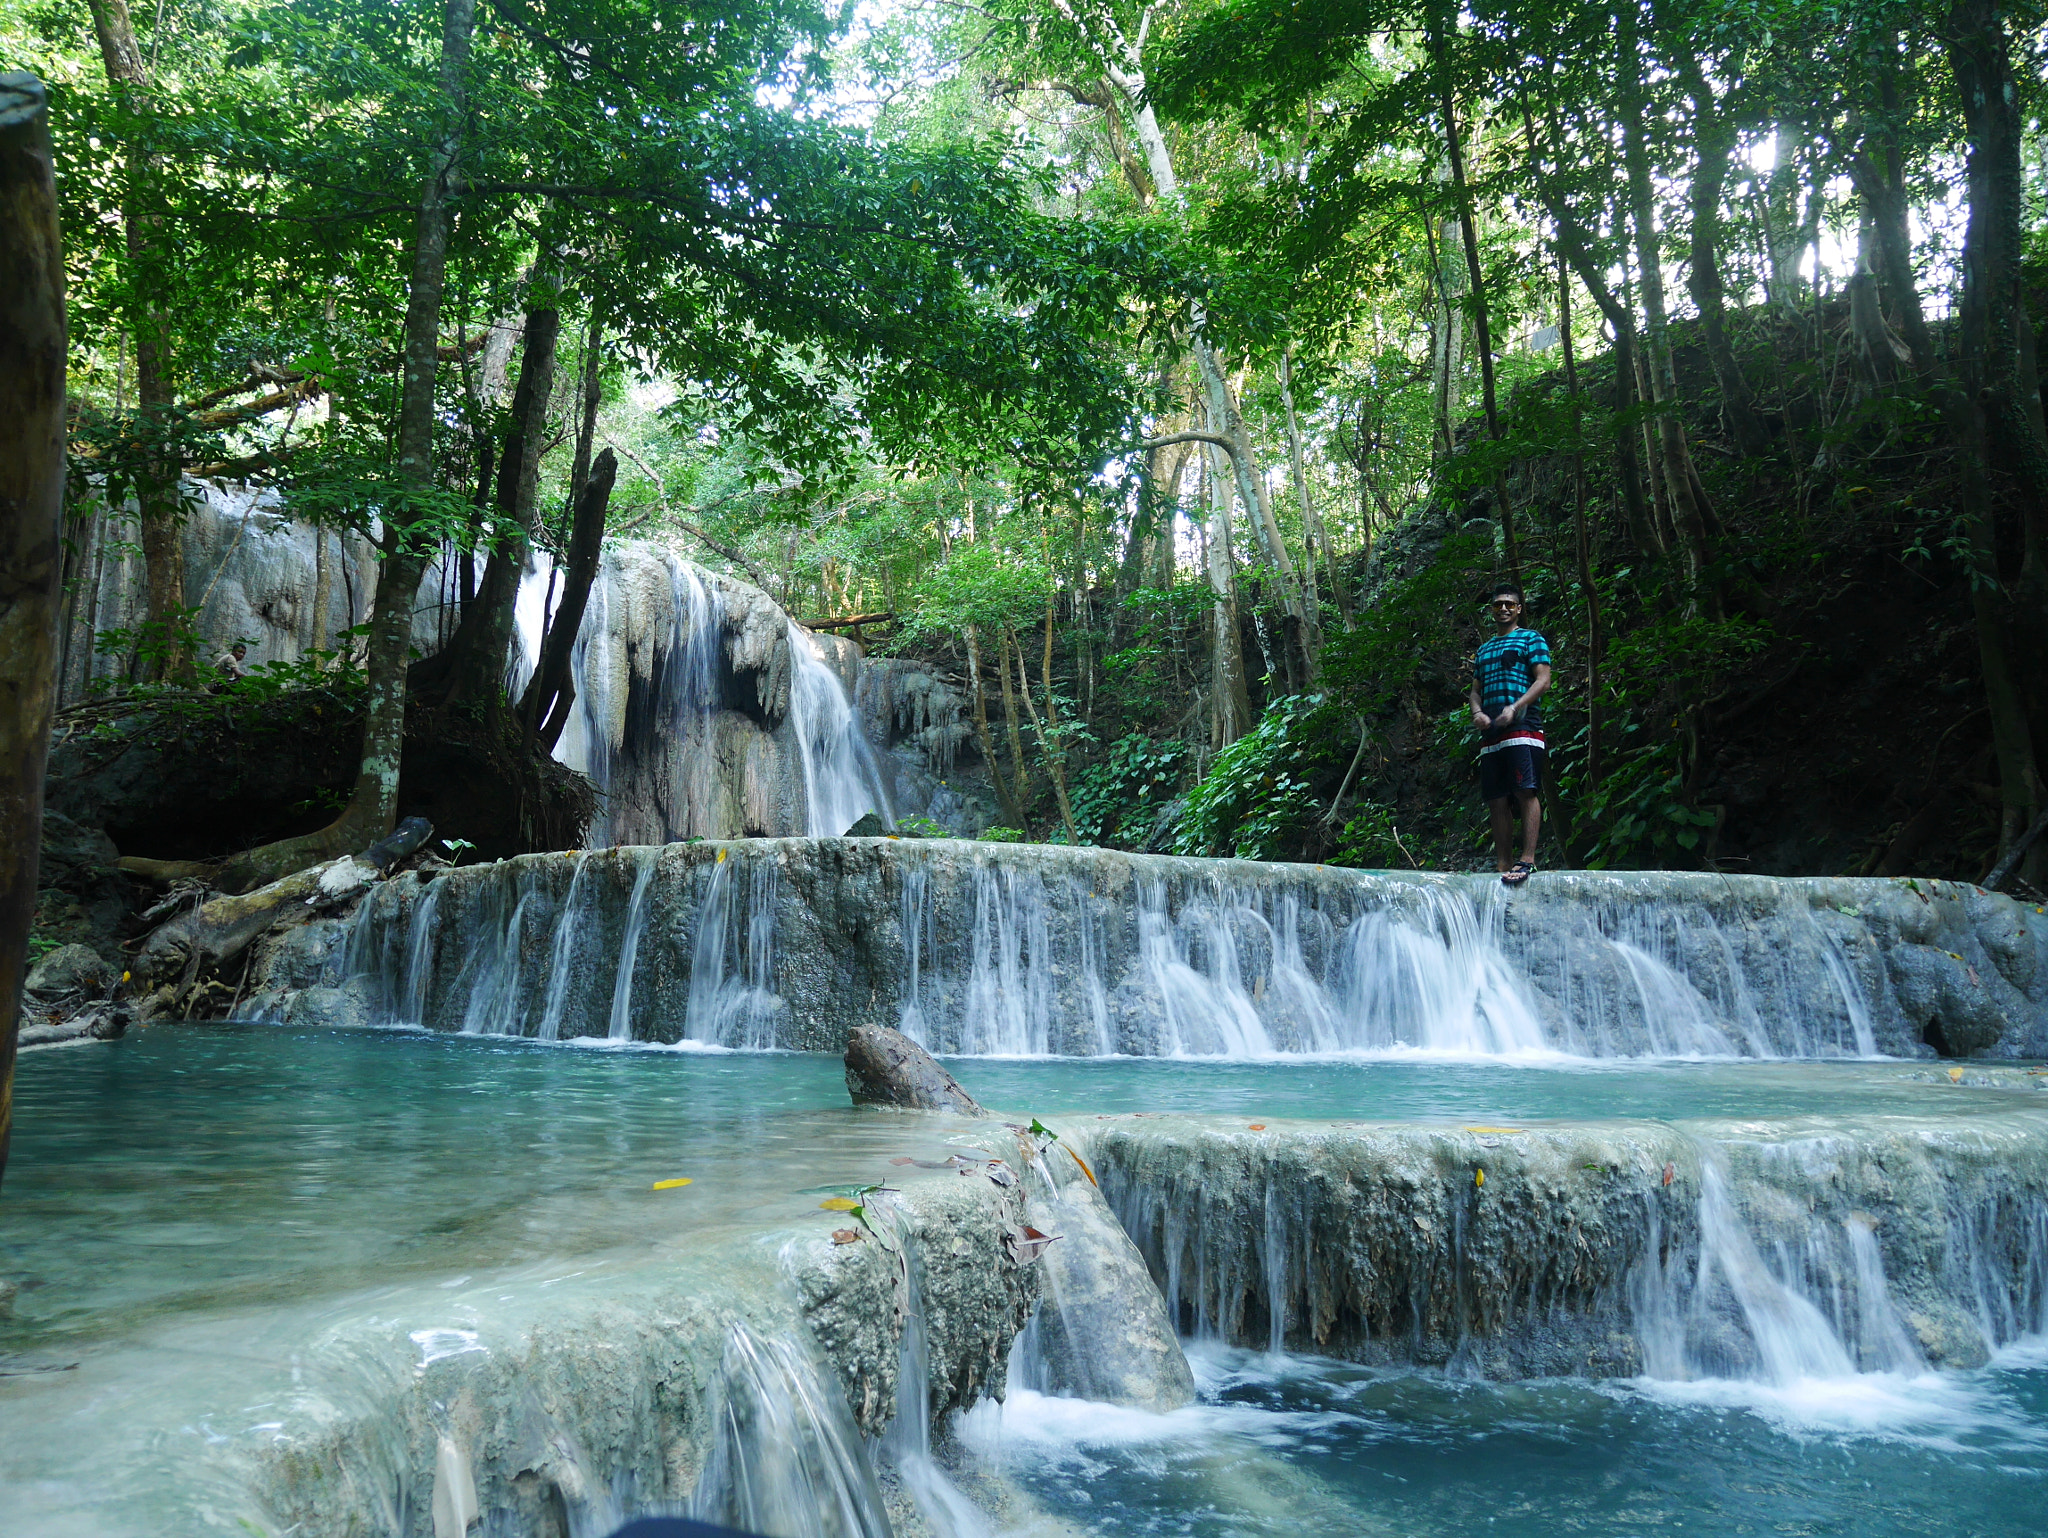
{"x":1509,"y":676}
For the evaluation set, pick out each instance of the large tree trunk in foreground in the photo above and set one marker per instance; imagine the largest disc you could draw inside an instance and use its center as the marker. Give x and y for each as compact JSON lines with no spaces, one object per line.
{"x":372,"y":809}
{"x":31,"y":512}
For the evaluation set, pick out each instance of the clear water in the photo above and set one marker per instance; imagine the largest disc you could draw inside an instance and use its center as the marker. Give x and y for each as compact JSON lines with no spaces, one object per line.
{"x":201,"y":1167}
{"x":1297,"y":1446}
{"x":185,"y":1209}
{"x":1420,"y":1089}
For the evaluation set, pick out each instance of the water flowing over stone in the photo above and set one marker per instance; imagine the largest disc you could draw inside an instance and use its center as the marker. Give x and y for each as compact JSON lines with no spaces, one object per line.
{"x":702,"y":710}
{"x":1773,"y":1254}
{"x":1000,"y":949}
{"x":1102,"y":1331}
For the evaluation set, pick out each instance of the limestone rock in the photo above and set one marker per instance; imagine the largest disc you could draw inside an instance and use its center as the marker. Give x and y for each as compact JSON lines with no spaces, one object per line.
{"x":885,"y":1067}
{"x":1102,"y":1328}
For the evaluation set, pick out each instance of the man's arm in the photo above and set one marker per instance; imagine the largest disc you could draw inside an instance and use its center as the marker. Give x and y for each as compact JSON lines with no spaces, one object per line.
{"x":1479,"y":718}
{"x":1539,"y":680}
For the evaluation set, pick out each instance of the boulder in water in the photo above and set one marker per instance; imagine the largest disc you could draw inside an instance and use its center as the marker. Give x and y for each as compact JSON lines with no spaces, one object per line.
{"x":885,"y":1067}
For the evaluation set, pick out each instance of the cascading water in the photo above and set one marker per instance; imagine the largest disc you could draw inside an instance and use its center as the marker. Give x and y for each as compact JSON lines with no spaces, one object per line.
{"x":841,"y":781}
{"x":980,"y":951}
{"x":701,"y":709}
{"x":786,"y":1458}
{"x":732,"y":1000}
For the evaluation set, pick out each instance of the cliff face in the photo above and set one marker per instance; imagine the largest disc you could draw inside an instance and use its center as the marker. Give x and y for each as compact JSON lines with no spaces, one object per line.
{"x":702,"y":709}
{"x":991,"y":948}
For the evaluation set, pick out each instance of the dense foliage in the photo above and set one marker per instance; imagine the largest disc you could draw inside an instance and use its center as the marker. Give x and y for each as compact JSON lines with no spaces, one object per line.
{"x":1178,"y":377}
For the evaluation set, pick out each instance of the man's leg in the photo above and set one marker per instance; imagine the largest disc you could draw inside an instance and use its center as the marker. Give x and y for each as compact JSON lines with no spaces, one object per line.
{"x":1530,"y":805}
{"x":1501,"y":810}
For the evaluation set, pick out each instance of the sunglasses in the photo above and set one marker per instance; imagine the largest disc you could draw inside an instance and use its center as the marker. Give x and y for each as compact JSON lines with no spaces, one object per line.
{"x":1505,"y":603}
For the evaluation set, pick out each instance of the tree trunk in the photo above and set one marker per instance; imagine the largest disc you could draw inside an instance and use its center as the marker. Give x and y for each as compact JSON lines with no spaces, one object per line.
{"x":1997,"y":363}
{"x":1878,"y":169}
{"x":1475,"y":275}
{"x":1714,"y":134}
{"x":1446,"y":346}
{"x":1020,"y":780}
{"x":160,"y":504}
{"x":1048,"y":744}
{"x":373,"y":806}
{"x":1119,"y":56}
{"x":1574,"y":247}
{"x":1314,"y":536}
{"x":1689,"y":518}
{"x":1581,"y":541}
{"x":474,"y":668}
{"x":552,"y":690}
{"x":1230,"y":710}
{"x":1011,"y":810}
{"x":1999,"y":405}
{"x":32,"y":348}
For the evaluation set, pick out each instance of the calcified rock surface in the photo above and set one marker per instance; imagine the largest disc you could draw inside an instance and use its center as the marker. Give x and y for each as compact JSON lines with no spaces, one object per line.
{"x":255,"y":575}
{"x":1102,"y":1331}
{"x":702,"y":709}
{"x":1000,"y":948}
{"x":736,"y":1387}
{"x":1777,"y":1251}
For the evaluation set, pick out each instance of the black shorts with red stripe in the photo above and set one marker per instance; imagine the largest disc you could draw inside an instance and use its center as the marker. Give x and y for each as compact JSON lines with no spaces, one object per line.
{"x":1515,"y":765}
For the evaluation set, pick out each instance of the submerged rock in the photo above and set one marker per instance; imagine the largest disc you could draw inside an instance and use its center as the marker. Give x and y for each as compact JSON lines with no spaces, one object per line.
{"x":885,"y":1067}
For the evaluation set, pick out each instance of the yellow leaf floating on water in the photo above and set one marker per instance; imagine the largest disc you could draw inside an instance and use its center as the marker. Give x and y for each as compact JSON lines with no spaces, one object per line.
{"x":670,"y":1185}
{"x":1084,"y":1167}
{"x":1479,"y":1177}
{"x":838,"y":1204}
{"x":1507,"y":1131}
{"x":721,"y":858}
{"x":1955,"y":1076}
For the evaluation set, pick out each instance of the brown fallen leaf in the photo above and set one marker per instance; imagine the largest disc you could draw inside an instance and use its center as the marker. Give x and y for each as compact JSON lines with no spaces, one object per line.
{"x":1258,"y":1126}
{"x":1084,"y":1167}
{"x":1670,"y":1173}
{"x":846,"y":1236}
{"x":1026,"y":1244}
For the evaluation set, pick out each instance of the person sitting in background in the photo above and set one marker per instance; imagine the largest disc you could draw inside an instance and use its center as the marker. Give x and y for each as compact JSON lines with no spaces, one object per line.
{"x":1509,"y":676}
{"x":230,"y":666}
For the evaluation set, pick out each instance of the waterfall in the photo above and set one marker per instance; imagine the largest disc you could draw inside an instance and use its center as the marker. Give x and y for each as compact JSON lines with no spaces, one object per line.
{"x":732,"y":1001}
{"x":842,"y":783}
{"x":906,"y":1446}
{"x":620,"y":1027}
{"x":785,"y":1461}
{"x":560,"y":968}
{"x":1776,"y":1265}
{"x":1003,"y":950}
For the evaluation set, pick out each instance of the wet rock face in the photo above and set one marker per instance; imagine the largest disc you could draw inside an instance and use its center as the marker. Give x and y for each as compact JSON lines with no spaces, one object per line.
{"x":978,"y":948}
{"x":767,"y":1364}
{"x":1102,"y":1330}
{"x":885,"y":1067}
{"x":1815,"y":1248}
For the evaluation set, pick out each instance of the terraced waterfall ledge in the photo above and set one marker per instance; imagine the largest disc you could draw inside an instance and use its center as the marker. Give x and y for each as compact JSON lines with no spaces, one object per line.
{"x":986,"y":948}
{"x":654,"y":1273}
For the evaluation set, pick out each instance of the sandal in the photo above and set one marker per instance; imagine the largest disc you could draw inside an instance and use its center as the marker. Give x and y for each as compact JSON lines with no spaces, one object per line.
{"x":1517,"y":873}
